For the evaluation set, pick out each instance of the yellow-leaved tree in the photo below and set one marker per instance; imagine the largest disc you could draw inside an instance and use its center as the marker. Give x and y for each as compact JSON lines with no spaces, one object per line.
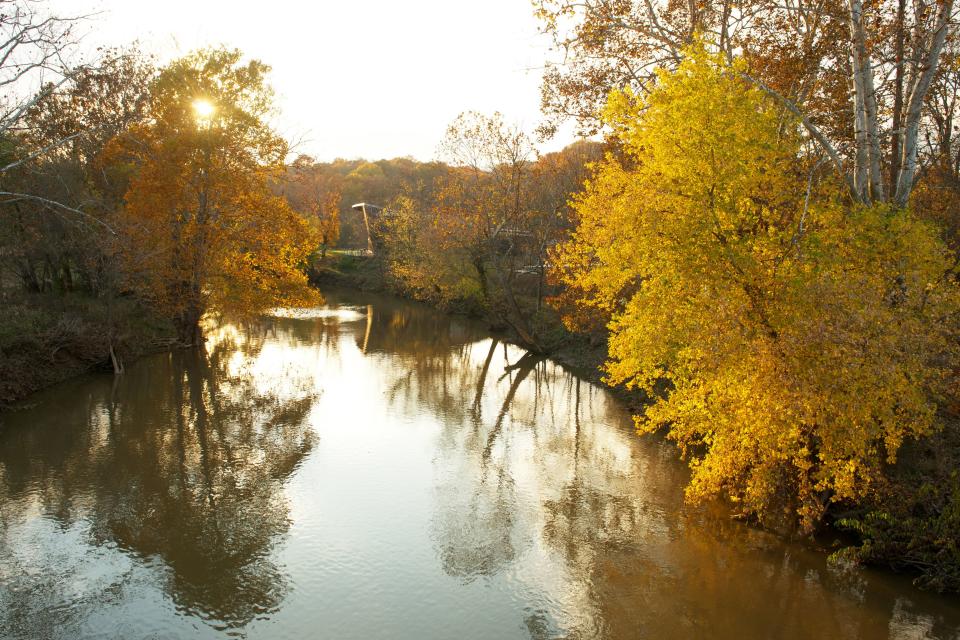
{"x":790,"y":341}
{"x":203,"y":230}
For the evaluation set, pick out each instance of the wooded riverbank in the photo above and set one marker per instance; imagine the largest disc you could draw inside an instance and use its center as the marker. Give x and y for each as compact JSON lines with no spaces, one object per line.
{"x":913,"y":526}
{"x":48,"y":338}
{"x":220,"y":490}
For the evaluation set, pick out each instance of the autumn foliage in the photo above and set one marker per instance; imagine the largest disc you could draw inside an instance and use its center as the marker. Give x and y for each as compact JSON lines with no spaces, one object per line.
{"x":203,"y":229}
{"x":791,"y":341}
{"x":317,"y":196}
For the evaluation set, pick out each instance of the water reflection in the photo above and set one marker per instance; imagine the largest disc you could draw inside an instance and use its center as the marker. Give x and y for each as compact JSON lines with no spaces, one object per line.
{"x":377,"y":469}
{"x":180,"y":464}
{"x":538,"y":474}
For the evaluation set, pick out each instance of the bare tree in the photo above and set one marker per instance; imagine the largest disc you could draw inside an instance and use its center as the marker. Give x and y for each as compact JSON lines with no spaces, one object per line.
{"x":486,"y":209}
{"x":35,"y":57}
{"x":36,"y":51}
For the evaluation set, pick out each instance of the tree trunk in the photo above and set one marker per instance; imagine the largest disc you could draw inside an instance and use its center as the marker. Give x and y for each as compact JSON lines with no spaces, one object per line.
{"x":868,"y":173}
{"x":115,"y":361}
{"x":187,"y":324}
{"x":540,"y":275}
{"x":895,"y":137}
{"x":922,"y":77}
{"x":518,"y":322}
{"x":859,"y":127}
{"x":482,"y":276}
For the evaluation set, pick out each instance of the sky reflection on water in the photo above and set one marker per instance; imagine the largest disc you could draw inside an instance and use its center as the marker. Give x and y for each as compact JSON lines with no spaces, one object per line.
{"x":377,"y":469}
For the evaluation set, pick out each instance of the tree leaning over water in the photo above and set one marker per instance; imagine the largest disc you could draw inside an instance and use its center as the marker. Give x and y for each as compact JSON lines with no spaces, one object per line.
{"x":792,"y":342}
{"x":205,"y":232}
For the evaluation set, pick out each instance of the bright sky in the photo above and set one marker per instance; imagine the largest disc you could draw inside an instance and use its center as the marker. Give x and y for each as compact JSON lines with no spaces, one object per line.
{"x":364,"y":78}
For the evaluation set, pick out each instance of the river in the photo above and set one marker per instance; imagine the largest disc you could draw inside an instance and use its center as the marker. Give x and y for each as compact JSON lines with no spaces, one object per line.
{"x":376,"y":469}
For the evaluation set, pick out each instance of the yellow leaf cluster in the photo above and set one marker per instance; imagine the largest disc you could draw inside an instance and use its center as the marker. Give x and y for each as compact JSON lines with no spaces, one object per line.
{"x":791,"y":341}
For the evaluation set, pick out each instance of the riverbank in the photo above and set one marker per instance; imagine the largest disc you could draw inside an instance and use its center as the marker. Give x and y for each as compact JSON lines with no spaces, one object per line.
{"x":48,"y":338}
{"x":584,"y":354}
{"x":910,"y":525}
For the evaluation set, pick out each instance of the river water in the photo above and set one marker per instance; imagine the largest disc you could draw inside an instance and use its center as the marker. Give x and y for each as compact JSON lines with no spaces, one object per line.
{"x":375,"y":469}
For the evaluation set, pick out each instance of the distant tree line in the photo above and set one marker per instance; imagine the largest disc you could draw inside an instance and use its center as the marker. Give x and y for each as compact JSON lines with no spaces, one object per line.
{"x":471,"y":230}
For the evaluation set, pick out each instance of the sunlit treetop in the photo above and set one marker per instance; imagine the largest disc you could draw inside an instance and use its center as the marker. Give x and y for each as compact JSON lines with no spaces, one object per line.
{"x":201,"y":199}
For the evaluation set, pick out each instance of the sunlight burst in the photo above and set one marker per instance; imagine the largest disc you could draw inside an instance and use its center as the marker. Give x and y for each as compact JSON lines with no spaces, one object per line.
{"x":203,"y":108}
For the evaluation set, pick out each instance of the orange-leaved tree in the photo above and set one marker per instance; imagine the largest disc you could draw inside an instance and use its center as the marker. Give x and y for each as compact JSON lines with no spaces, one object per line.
{"x":204,"y":230}
{"x":484,"y":211}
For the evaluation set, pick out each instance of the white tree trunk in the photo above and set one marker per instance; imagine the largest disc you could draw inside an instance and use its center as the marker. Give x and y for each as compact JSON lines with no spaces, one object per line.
{"x":869,"y":178}
{"x":921,"y":76}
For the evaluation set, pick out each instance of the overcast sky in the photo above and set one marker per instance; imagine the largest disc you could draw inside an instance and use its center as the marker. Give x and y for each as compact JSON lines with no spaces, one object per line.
{"x":374,"y":79}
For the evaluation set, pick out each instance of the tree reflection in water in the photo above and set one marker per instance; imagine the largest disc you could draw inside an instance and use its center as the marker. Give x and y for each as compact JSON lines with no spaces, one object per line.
{"x":539,"y":478}
{"x":181,"y":464}
{"x":459,"y":487}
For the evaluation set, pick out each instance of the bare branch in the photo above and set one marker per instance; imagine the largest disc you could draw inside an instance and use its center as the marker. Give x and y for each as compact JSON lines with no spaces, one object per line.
{"x":19,"y":197}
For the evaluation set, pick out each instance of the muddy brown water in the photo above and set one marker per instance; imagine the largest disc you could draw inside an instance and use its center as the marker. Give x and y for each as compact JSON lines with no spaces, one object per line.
{"x":375,"y":469}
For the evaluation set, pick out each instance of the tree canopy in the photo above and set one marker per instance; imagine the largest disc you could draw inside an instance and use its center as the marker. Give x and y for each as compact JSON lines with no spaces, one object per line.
{"x":791,"y":342}
{"x":205,"y":230}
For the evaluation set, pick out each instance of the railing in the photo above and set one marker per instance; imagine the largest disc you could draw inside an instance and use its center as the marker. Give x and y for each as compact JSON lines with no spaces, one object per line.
{"x":361,"y":253}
